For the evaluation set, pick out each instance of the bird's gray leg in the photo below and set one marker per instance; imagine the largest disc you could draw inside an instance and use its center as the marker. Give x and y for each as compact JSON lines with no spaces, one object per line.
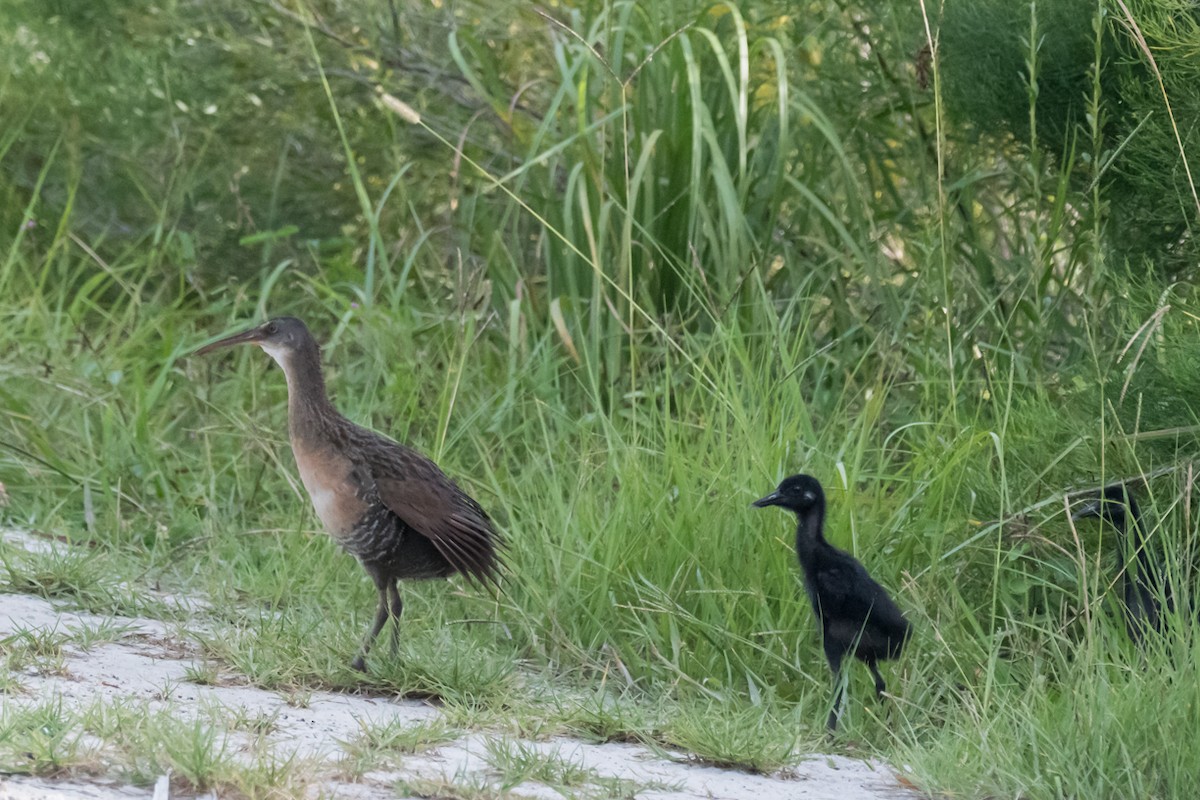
{"x":397,"y":607}
{"x":381,"y":615}
{"x":880,"y":686}
{"x":839,"y":690}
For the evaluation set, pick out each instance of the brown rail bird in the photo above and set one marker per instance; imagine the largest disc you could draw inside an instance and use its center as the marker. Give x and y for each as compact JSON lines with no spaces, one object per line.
{"x":855,"y":612}
{"x":386,"y":504}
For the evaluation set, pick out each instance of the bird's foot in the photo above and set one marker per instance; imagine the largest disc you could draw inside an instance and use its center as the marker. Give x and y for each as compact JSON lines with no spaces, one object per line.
{"x":359,"y":663}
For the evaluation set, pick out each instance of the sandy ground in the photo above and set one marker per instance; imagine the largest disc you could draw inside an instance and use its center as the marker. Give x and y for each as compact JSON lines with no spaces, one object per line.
{"x":150,"y":662}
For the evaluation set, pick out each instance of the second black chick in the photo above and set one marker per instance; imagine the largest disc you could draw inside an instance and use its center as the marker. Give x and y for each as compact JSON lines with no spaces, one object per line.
{"x":1143,"y":591}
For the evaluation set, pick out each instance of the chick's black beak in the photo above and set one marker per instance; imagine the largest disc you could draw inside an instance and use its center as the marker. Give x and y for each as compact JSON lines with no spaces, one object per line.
{"x":770,"y":500}
{"x":250,"y":336}
{"x":1089,"y":509}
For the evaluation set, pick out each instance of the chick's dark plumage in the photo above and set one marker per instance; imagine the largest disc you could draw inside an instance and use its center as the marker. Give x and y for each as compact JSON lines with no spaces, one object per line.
{"x":855,"y":613}
{"x":1143,"y":580}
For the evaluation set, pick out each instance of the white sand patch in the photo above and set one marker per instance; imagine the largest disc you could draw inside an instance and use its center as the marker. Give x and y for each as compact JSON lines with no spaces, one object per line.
{"x":29,"y":541}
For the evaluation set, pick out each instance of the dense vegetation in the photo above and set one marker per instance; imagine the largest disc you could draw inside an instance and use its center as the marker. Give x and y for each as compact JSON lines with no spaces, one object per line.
{"x":621,"y":266}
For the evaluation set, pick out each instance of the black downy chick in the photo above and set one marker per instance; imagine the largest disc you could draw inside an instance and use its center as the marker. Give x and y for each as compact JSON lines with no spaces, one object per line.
{"x":1141,"y":592}
{"x":856,"y":614}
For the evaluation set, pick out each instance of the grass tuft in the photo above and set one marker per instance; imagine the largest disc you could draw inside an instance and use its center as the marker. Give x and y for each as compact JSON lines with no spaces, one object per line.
{"x":44,"y":739}
{"x":748,"y":740}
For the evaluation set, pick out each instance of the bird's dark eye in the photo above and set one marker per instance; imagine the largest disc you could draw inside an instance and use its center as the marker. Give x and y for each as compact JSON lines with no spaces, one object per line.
{"x":271,"y":329}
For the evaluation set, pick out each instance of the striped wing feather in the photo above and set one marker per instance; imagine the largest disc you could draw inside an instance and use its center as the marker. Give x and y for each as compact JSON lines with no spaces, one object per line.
{"x":430,"y":503}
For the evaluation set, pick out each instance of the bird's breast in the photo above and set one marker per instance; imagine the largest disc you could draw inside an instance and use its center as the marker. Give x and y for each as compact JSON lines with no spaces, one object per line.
{"x":327,"y":478}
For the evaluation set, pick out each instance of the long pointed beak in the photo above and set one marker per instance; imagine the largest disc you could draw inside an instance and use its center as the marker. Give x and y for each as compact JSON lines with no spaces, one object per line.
{"x":250,"y":336}
{"x":770,"y":500}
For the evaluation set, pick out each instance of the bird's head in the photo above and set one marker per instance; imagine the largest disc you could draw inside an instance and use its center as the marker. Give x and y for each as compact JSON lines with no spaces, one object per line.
{"x":1111,"y":505}
{"x":279,"y":337}
{"x":799,"y":493}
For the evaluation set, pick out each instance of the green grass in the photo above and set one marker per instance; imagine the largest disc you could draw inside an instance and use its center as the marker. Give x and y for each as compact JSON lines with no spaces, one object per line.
{"x":649,"y":289}
{"x":143,"y":741}
{"x":755,"y":739}
{"x":379,"y":744}
{"x":91,"y":582}
{"x":518,"y":762}
{"x":456,"y":787}
{"x":604,"y":718}
{"x":43,"y":739}
{"x":39,"y":650}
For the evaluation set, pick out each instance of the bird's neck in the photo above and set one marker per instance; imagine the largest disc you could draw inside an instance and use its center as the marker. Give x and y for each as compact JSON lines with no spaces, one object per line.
{"x":308,"y":403}
{"x":1132,"y":525}
{"x":810,"y":532}
{"x":1136,"y":532}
